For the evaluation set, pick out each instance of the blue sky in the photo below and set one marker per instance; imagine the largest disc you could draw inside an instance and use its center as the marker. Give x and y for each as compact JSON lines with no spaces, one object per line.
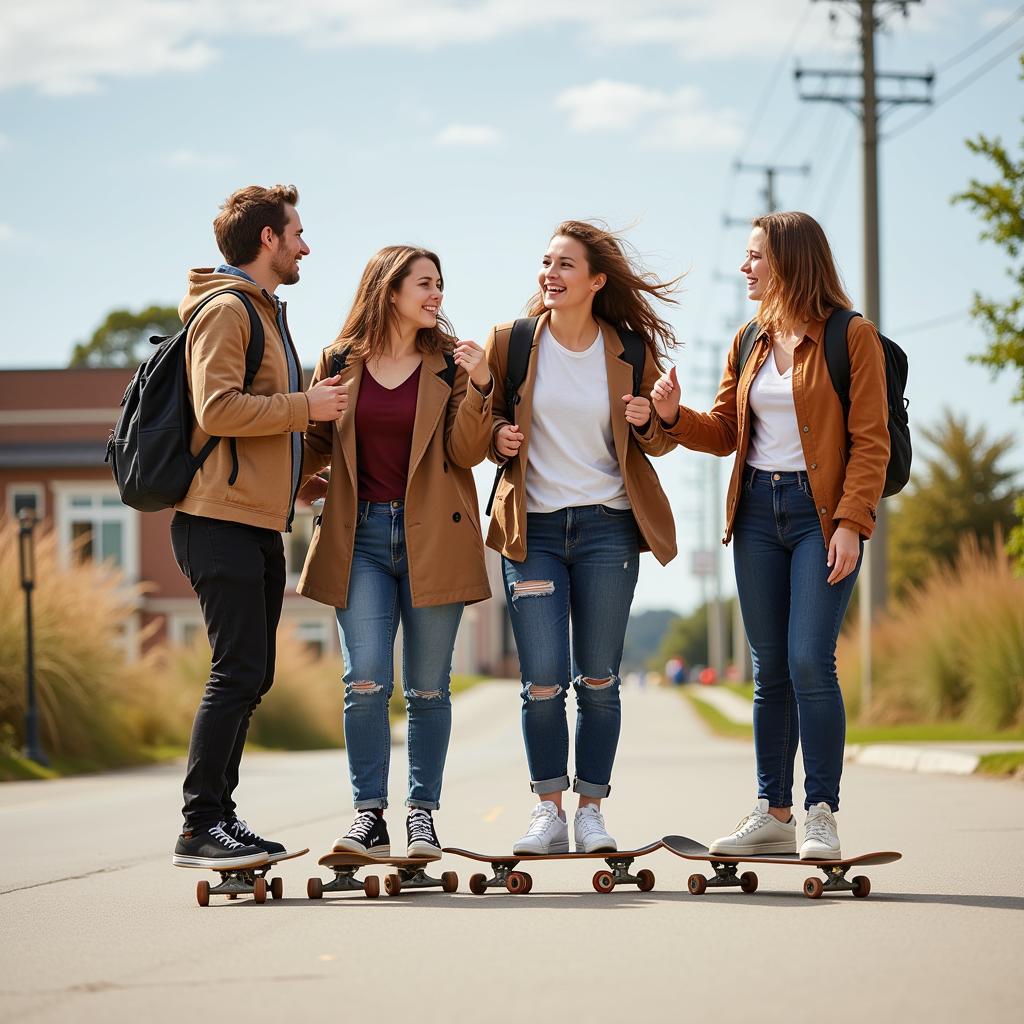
{"x":474,"y":128}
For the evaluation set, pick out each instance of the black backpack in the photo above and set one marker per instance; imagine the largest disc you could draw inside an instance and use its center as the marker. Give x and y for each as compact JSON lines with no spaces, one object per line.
{"x":837,"y":357}
{"x":520,"y":344}
{"x":149,"y":449}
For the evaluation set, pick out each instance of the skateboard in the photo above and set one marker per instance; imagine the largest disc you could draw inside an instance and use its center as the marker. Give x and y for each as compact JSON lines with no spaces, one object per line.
{"x":244,"y":882}
{"x":505,"y":873}
{"x":411,"y":874}
{"x":814,"y":888}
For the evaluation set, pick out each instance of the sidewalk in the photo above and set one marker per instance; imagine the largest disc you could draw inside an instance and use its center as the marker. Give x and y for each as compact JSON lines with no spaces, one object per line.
{"x":942,"y":757}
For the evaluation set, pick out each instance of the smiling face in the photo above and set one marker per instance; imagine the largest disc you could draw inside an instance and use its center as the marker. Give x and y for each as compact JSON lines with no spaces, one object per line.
{"x":755,"y":266}
{"x":565,"y":278}
{"x":417,"y":300}
{"x":289,"y":248}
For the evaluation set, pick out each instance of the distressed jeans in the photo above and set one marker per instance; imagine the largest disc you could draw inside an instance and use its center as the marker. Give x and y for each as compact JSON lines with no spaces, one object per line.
{"x":579,"y":575}
{"x":379,"y":597}
{"x":792,"y":618}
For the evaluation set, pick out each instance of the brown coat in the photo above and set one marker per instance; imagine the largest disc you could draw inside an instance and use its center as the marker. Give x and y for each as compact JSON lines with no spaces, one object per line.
{"x":846,"y":473}
{"x":261,"y":420}
{"x":651,"y":507}
{"x":442,"y":524}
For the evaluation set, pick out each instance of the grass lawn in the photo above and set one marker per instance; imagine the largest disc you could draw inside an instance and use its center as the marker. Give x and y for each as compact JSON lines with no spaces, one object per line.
{"x":1010,"y":763}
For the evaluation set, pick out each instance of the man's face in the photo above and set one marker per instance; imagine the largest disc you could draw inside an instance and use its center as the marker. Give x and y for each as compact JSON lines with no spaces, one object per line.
{"x":289,"y":249}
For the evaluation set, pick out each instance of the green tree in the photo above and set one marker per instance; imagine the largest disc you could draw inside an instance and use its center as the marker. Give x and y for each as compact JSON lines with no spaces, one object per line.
{"x":123,"y":337}
{"x":687,"y":637}
{"x":962,"y":488}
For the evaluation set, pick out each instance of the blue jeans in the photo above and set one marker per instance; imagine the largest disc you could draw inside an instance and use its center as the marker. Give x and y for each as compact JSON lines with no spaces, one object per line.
{"x":792,"y":617}
{"x":581,"y":562}
{"x":379,"y":597}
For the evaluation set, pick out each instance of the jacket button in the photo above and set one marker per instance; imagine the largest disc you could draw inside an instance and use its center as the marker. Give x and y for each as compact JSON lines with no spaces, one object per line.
{"x":806,"y":428}
{"x":456,"y":517}
{"x":814,"y":465}
{"x":822,"y":510}
{"x":444,"y":465}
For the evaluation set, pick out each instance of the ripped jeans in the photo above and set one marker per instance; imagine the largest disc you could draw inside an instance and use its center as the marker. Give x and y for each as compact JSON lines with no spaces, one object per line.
{"x":580,"y":572}
{"x":379,"y":597}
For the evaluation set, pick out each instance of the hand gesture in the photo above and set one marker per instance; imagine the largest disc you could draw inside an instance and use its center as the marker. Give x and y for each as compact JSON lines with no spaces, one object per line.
{"x":638,"y":411}
{"x":666,"y":395}
{"x":313,"y":489}
{"x":328,"y":400}
{"x":508,"y":440}
{"x":470,"y":356}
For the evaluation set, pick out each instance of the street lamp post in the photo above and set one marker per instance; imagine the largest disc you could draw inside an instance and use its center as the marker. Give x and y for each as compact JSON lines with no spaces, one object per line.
{"x":27,"y":562}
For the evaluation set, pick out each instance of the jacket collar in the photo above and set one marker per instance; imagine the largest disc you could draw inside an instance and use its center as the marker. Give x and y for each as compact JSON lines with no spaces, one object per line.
{"x":815,"y":332}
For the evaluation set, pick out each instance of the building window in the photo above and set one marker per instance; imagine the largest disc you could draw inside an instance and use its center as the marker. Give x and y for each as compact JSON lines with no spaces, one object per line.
{"x":182,"y":630}
{"x":22,"y":496}
{"x":94,"y":526}
{"x":315,"y":634}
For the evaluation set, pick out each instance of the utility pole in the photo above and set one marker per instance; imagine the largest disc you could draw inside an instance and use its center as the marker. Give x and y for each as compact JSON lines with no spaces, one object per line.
{"x":869,"y":106}
{"x":770,"y":172}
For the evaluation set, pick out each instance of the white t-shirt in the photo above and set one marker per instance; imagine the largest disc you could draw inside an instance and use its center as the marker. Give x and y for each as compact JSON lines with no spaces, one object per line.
{"x":774,"y":431}
{"x":572,"y":458}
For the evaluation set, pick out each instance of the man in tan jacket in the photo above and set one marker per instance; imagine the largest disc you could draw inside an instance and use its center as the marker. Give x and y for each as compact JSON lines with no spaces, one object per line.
{"x":226,"y":531}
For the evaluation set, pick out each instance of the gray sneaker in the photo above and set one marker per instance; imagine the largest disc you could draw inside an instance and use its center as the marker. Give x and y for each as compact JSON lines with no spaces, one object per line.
{"x":821,"y":837}
{"x":758,"y":833}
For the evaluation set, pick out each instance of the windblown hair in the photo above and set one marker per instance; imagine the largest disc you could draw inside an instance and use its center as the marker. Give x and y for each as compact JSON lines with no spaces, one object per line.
{"x":805,"y":283}
{"x":624,"y":301}
{"x":373,"y":315}
{"x":244,"y":215}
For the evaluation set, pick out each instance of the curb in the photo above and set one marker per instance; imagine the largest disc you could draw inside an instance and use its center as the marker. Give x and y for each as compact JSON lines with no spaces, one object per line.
{"x":913,"y":759}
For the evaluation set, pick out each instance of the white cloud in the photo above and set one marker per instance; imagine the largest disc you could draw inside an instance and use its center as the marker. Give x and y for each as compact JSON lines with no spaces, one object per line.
{"x":6,"y":232}
{"x":664,"y":120}
{"x":476,"y":136}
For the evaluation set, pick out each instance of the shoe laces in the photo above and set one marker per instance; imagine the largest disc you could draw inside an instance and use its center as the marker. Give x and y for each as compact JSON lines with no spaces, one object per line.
{"x":591,"y":823}
{"x":242,"y":830}
{"x":820,"y":828}
{"x":363,"y":825}
{"x":753,"y":821}
{"x":421,"y":826}
{"x":219,"y":835}
{"x":541,"y":818}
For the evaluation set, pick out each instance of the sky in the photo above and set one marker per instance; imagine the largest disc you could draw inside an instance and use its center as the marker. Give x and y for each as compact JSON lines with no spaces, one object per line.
{"x":475,"y":127}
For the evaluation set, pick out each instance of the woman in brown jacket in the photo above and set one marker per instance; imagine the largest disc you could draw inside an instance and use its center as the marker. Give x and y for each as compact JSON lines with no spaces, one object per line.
{"x":577,"y":503}
{"x":805,"y":486}
{"x":399,"y":536}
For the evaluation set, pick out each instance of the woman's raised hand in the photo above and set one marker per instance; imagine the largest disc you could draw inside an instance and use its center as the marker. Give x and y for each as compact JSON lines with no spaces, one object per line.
{"x":666,"y":396}
{"x":638,"y":411}
{"x":470,"y":356}
{"x":508,"y":440}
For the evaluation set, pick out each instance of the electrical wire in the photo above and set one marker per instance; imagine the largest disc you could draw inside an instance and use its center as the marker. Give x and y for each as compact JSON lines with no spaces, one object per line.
{"x":981,"y":41}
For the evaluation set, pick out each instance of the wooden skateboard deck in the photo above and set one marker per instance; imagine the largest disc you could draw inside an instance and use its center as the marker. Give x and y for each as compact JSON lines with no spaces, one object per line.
{"x":248,"y":881}
{"x":505,"y":873}
{"x":726,"y":875}
{"x":411,"y":874}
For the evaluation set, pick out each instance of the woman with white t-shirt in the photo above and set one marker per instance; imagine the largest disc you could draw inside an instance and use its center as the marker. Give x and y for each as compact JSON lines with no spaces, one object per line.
{"x":576,"y":503}
{"x":802,"y":501}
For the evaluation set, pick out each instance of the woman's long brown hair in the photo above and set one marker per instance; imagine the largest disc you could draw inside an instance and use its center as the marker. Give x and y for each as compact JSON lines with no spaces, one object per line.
{"x":373,"y":315}
{"x":805,"y":283}
{"x":624,"y":300}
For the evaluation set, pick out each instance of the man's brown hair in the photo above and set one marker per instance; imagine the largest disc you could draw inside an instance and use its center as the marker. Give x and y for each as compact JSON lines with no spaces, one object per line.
{"x":244,"y":215}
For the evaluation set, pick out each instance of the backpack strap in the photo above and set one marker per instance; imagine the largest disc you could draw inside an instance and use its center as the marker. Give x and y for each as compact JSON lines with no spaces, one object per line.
{"x":448,"y":373}
{"x":253,"y":358}
{"x":340,"y":360}
{"x":837,"y":353}
{"x":634,"y":353}
{"x":750,"y":333}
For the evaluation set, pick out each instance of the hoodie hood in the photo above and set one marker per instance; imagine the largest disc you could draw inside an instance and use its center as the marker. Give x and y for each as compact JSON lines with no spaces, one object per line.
{"x":205,"y":281}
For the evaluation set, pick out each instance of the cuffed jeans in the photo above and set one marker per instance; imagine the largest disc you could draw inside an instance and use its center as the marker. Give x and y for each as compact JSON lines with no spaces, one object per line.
{"x":238,"y":574}
{"x":379,"y":597}
{"x":792,"y":618}
{"x":581,"y":567}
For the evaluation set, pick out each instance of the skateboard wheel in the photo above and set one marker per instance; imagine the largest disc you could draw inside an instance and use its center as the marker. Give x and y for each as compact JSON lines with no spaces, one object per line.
{"x":259,"y":890}
{"x":603,"y":881}
{"x":813,"y":888}
{"x":478,"y":885}
{"x":277,"y":888}
{"x":748,"y":881}
{"x":516,"y":882}
{"x":203,"y":893}
{"x":450,"y":881}
{"x":232,"y":895}
{"x":645,"y":880}
{"x":393,"y":885}
{"x":371,"y":887}
{"x":529,"y":882}
{"x":697,"y":884}
{"x":314,"y":888}
{"x":861,"y":886}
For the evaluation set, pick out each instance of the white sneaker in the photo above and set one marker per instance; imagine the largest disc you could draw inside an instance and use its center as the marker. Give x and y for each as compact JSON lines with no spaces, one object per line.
{"x":758,"y":832}
{"x":821,"y":837}
{"x":589,"y":831}
{"x":548,"y":831}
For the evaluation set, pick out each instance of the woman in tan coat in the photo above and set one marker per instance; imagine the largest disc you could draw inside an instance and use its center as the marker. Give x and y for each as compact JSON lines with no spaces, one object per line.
{"x":805,"y":486}
{"x":399,"y":536}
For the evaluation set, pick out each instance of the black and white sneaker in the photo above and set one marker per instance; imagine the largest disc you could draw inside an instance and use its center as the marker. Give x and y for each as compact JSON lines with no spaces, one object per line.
{"x":214,"y":848}
{"x":368,"y":835}
{"x":422,"y":839}
{"x":240,"y":830}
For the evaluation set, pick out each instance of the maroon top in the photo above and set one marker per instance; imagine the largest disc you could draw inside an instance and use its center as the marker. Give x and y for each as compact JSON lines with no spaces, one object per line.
{"x":384,"y":420}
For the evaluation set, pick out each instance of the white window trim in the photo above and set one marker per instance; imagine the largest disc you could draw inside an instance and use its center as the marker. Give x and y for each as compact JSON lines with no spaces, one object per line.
{"x":36,"y":488}
{"x":177,"y":624}
{"x":65,"y":490}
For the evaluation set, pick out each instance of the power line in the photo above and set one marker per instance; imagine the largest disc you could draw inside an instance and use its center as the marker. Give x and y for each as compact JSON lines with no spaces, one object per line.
{"x":939,"y":321}
{"x":981,"y":41}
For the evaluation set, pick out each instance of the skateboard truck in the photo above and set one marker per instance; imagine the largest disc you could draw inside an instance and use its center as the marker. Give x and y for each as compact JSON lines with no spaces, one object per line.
{"x":241,"y":882}
{"x":726,"y":876}
{"x":506,"y":875}
{"x":405,"y":876}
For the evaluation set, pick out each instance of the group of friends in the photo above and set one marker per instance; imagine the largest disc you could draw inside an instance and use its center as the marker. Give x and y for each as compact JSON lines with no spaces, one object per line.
{"x":399,"y":412}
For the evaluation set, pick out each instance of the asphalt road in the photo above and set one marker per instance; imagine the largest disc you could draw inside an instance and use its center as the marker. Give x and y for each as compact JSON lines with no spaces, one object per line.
{"x":96,"y":925}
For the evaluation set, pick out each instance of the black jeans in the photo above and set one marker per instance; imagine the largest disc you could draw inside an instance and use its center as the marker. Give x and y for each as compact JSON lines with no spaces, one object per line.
{"x":238,"y":574}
